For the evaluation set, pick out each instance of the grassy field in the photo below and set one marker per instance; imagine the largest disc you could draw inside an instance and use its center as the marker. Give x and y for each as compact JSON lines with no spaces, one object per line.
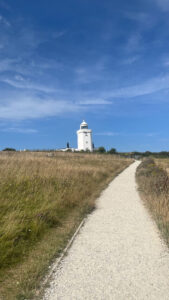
{"x":43,"y":197}
{"x":153,"y":180}
{"x":163,"y":163}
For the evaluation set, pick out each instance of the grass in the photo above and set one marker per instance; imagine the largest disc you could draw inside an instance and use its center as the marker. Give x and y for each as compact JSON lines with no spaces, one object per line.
{"x":153,"y":181}
{"x":42,"y":200}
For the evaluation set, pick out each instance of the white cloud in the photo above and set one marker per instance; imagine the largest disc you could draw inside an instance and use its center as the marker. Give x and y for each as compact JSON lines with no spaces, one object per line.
{"x":94,"y":102}
{"x":19,"y":130}
{"x":5,"y":64}
{"x":26,"y":84}
{"x":24,"y":106}
{"x":131,"y":60}
{"x":144,"y":19}
{"x":163,"y":4}
{"x":152,"y":134}
{"x":107,"y":133}
{"x":58,"y":34}
{"x":30,"y":108}
{"x":4,"y":21}
{"x":149,"y":87}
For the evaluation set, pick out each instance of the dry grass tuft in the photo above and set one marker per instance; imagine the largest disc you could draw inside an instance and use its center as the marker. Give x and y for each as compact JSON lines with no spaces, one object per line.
{"x":42,"y":200}
{"x":153,"y":181}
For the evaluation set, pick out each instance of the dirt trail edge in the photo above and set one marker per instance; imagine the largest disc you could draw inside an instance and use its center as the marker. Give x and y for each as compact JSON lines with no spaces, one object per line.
{"x":118,"y":253}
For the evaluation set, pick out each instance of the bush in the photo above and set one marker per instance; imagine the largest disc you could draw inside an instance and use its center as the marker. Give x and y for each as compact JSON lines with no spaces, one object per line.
{"x":112,"y":151}
{"x":101,"y":150}
{"x":9,"y":149}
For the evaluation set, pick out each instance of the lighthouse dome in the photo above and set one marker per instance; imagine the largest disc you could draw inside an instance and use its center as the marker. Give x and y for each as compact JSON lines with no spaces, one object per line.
{"x":83,"y":125}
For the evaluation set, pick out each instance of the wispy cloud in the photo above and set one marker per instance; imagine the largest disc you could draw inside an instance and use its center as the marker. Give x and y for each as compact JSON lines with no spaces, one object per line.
{"x":3,"y":4}
{"x":107,"y":133}
{"x":8,"y":64}
{"x":134,"y":42}
{"x":146,"y":20}
{"x":31,"y":108}
{"x":21,"y":83}
{"x":131,"y":60}
{"x":94,"y":102}
{"x":19,"y":130}
{"x":163,"y":4}
{"x":4,"y":21}
{"x":149,"y":87}
{"x":152,"y":134}
{"x":58,"y":34}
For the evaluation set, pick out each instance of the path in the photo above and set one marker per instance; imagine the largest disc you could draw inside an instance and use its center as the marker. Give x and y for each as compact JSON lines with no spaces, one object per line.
{"x":118,"y":253}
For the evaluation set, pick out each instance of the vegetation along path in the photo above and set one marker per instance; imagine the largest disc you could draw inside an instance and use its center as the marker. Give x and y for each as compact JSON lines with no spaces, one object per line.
{"x":118,"y":253}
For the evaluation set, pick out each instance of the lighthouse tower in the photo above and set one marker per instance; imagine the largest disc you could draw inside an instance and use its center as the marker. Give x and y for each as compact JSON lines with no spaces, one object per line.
{"x":84,"y":137}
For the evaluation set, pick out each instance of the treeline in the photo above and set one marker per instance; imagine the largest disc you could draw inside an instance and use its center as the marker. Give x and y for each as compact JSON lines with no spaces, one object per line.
{"x":162,"y":154}
{"x":102,"y":150}
{"x":134,"y":154}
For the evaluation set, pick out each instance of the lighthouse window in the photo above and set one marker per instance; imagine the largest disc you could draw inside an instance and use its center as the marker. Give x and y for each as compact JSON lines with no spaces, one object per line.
{"x":86,"y":134}
{"x":83,"y":127}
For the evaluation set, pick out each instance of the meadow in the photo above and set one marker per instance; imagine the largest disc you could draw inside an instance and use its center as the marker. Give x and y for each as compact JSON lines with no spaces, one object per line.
{"x":153,"y":182}
{"x":43,"y":198}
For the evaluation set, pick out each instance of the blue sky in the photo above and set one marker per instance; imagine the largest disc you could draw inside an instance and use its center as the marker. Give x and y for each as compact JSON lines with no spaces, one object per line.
{"x":103,"y":61}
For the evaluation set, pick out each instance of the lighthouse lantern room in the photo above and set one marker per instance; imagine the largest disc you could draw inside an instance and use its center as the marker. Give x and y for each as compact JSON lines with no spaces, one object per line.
{"x":84,"y":137}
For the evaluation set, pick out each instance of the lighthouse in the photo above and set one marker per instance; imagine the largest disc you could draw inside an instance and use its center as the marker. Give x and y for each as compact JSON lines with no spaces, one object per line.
{"x":84,"y":137}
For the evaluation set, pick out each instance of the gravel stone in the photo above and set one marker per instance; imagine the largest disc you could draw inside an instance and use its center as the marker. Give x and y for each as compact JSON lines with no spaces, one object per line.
{"x":118,"y":253}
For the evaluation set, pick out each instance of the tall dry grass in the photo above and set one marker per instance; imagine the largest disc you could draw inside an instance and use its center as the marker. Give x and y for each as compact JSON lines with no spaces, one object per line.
{"x":153,"y":181}
{"x":42,"y":199}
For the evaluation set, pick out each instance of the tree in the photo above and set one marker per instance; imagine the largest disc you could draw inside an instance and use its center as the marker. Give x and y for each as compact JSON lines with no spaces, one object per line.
{"x":147,"y":153}
{"x":101,"y":150}
{"x":67,"y":144}
{"x":112,"y":151}
{"x":9,"y":149}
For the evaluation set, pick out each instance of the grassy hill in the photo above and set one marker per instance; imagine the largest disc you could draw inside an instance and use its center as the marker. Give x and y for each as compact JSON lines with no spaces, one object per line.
{"x":43,"y":197}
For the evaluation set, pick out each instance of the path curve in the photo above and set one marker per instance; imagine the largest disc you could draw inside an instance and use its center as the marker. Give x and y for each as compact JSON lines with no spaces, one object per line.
{"x":118,"y":253}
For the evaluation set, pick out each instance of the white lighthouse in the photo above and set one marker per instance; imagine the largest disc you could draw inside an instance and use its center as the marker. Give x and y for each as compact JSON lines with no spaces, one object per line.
{"x":84,"y":137}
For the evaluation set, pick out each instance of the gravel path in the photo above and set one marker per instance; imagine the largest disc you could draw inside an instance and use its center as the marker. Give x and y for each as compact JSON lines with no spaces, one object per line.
{"x":118,"y":253}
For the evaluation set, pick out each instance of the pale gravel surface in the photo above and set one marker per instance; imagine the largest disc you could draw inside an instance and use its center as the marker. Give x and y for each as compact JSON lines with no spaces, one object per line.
{"x":118,"y":253}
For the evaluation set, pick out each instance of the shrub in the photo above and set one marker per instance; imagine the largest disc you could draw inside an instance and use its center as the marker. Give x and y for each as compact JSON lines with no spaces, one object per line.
{"x":9,"y":149}
{"x":101,"y":150}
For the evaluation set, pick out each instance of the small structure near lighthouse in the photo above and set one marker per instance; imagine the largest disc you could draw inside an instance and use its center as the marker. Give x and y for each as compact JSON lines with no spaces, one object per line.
{"x":84,"y":138}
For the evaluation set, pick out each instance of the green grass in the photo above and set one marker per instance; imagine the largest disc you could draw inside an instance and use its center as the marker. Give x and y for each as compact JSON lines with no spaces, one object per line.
{"x":42,"y":201}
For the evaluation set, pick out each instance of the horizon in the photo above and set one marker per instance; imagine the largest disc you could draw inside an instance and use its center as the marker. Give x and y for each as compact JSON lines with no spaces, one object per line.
{"x":107,"y":63}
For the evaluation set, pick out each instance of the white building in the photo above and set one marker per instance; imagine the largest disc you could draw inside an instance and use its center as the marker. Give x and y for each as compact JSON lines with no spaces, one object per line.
{"x":84,"y":138}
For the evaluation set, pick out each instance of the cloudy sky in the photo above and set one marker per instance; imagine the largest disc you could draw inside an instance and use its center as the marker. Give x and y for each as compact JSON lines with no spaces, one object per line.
{"x":103,"y":61}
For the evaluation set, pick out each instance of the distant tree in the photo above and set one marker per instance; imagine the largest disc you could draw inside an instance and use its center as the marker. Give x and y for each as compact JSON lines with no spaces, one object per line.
{"x":112,"y":151}
{"x":147,"y":153}
{"x":68,"y":145}
{"x":9,"y":149}
{"x":87,"y":150}
{"x":101,"y":150}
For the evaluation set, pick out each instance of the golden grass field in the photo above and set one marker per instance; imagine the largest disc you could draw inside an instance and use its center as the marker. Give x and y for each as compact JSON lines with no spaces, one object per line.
{"x":153,"y":181}
{"x":43,"y":198}
{"x":163,"y":163}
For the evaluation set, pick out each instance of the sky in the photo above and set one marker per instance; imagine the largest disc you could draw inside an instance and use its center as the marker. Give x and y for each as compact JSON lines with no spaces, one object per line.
{"x":105,"y":62}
